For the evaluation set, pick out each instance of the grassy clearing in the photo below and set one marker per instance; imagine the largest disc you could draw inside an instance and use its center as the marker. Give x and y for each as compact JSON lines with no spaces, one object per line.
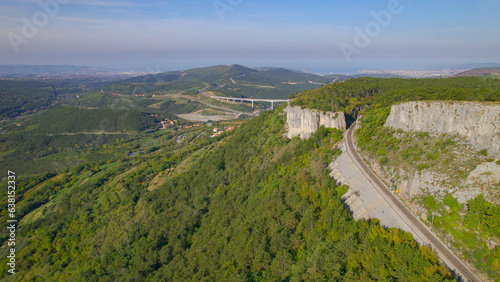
{"x":412,"y":152}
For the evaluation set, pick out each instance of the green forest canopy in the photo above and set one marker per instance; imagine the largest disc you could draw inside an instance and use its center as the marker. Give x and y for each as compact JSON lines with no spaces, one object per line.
{"x":18,"y":97}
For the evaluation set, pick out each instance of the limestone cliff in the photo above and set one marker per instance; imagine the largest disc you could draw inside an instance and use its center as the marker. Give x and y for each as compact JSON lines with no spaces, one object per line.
{"x":304,"y":122}
{"x":456,"y":168}
{"x":479,"y":123}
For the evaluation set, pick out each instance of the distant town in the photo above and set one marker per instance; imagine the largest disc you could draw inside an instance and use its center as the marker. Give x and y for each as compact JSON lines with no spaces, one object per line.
{"x":414,"y":74}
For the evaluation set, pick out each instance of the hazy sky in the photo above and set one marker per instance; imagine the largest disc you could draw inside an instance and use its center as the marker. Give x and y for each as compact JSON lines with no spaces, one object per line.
{"x":316,"y":35}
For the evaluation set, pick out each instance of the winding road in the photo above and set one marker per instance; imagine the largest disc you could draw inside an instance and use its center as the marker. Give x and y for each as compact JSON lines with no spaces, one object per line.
{"x":451,"y":261}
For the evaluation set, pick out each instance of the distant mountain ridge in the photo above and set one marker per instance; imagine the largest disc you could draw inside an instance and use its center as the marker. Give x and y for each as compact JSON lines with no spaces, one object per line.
{"x":229,"y":80}
{"x":481,"y":72}
{"x":23,"y":70}
{"x":477,"y":66}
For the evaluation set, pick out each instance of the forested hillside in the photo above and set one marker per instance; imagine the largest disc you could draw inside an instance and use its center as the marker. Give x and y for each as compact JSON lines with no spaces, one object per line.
{"x":250,"y":205}
{"x":66,"y":119}
{"x":22,"y":96}
{"x":64,"y":136}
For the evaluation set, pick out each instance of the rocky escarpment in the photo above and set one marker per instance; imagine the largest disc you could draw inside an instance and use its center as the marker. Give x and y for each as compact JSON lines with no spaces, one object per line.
{"x":479,"y":123}
{"x":304,"y":122}
{"x":454,"y":167}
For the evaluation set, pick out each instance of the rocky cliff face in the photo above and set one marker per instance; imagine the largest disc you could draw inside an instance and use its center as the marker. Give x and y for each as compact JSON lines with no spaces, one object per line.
{"x":478,"y":122}
{"x":304,"y":122}
{"x":459,"y":170}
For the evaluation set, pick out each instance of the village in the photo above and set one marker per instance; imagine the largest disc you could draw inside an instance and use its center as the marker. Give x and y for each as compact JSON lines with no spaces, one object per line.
{"x":217,"y":131}
{"x":169,"y":123}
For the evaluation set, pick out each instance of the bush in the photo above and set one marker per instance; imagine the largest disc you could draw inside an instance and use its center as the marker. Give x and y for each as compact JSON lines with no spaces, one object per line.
{"x":451,"y":202}
{"x":422,"y":166}
{"x":384,"y":160}
{"x":432,"y":155}
{"x":430,"y":203}
{"x":487,"y":213}
{"x":382,"y":152}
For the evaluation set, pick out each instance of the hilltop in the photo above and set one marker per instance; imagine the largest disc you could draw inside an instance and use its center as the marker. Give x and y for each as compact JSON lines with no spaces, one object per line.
{"x":42,"y":87}
{"x":153,"y":91}
{"x":227,"y":80}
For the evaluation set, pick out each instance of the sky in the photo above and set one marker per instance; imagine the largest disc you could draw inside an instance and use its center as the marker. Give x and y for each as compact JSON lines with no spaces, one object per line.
{"x":316,"y":35}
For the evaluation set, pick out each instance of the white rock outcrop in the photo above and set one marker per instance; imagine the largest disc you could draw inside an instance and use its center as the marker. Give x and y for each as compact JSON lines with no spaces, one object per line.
{"x":483,"y":180}
{"x":478,"y":122}
{"x":305,"y":122}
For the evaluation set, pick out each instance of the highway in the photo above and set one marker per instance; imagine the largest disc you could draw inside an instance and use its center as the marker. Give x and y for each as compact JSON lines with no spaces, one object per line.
{"x":202,"y":92}
{"x":451,"y":261}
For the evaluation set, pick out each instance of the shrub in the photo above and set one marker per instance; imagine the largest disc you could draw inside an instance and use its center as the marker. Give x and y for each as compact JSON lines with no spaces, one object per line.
{"x":451,"y":202}
{"x":430,"y":203}
{"x":384,"y":160}
{"x":382,"y":152}
{"x":423,"y":134}
{"x":422,"y":166}
{"x":432,"y":155}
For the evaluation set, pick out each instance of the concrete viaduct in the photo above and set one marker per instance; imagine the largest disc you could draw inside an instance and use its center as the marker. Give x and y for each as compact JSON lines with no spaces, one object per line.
{"x":232,"y":99}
